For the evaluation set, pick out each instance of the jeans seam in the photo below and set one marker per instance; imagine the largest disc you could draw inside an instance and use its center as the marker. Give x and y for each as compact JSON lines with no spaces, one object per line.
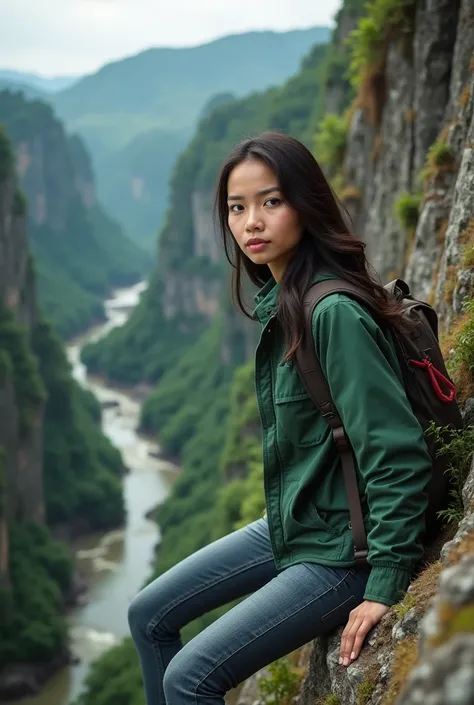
{"x":159,"y":659}
{"x":192,"y":593}
{"x":334,"y":609}
{"x":333,"y":587}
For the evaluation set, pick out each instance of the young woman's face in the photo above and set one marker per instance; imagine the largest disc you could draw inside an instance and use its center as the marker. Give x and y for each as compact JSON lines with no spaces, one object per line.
{"x":265,"y":226}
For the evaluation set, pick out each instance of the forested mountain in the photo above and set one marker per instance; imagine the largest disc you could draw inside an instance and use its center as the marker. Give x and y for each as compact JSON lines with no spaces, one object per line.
{"x":81,"y":253}
{"x":137,"y":114}
{"x":45,"y":84}
{"x":391,"y":118}
{"x":186,"y":286}
{"x":56,"y":467}
{"x":167,"y":87}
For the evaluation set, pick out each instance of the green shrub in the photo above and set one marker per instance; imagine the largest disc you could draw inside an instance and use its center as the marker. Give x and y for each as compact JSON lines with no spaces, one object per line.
{"x":281,"y":685}
{"x":440,"y":154}
{"x":31,"y":626}
{"x":467,"y":258}
{"x":440,"y":157}
{"x":332,"y":699}
{"x":458,"y":447}
{"x":82,"y":470}
{"x":401,"y":608}
{"x":114,"y":678}
{"x":30,"y":392}
{"x":330,"y":141}
{"x":463,"y":354}
{"x":365,"y":692}
{"x":407,"y":209}
{"x":384,"y":19}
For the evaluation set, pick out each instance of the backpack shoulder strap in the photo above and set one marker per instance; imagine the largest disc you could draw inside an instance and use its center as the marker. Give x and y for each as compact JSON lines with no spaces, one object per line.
{"x":312,"y":376}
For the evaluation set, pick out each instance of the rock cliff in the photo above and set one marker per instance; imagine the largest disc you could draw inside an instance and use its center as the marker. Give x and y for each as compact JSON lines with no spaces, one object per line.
{"x":81,"y":252}
{"x":21,"y":443}
{"x":56,"y":467}
{"x":419,"y":119}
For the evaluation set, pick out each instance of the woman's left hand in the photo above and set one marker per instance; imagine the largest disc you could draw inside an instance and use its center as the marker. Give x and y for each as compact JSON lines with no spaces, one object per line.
{"x":361,"y":620}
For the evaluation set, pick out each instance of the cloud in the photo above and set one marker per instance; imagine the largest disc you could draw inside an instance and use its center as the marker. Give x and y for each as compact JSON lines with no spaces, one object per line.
{"x":77,"y":36}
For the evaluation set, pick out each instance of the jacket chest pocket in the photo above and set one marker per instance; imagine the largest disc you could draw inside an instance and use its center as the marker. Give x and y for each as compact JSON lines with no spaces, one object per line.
{"x":296,"y":416}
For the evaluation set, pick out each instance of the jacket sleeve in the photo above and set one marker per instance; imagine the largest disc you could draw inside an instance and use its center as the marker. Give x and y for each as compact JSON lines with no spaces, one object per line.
{"x":364,"y":377}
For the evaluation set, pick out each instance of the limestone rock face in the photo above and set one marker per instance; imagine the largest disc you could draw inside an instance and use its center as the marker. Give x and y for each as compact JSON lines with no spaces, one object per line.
{"x":21,"y":449}
{"x":426,"y":93}
{"x":22,"y":452}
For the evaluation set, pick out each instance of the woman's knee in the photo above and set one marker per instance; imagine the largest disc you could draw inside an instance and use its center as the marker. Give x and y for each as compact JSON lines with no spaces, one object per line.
{"x":138,"y":615}
{"x":176,"y":681}
{"x":185,"y":675}
{"x":146,"y":609}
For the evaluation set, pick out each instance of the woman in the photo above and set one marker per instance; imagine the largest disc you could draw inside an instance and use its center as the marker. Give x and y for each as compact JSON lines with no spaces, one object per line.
{"x":281,"y":224}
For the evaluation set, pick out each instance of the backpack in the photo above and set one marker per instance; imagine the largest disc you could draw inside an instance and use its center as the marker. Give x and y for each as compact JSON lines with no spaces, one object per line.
{"x":429,"y":389}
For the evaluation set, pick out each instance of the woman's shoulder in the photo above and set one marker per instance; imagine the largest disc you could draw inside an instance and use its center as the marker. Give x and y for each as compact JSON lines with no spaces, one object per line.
{"x":341,"y":305}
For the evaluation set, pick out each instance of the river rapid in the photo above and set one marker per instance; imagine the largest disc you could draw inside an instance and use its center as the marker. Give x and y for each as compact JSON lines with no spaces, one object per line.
{"x":116,"y":563}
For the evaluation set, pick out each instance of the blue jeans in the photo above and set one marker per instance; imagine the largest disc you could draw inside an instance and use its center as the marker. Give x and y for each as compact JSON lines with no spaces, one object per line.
{"x":284,"y":611}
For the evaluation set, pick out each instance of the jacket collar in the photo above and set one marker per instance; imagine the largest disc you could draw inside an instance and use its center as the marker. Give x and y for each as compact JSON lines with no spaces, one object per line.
{"x":266,"y":299}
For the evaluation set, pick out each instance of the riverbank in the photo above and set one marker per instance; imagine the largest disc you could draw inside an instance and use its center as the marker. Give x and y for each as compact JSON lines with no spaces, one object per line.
{"x":114,"y":564}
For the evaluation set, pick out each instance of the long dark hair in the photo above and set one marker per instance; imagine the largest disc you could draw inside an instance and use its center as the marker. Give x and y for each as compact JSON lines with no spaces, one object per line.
{"x":326,"y":243}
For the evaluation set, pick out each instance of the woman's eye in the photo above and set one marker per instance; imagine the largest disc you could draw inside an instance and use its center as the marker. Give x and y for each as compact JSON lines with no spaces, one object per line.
{"x":272,"y":202}
{"x":233,"y":208}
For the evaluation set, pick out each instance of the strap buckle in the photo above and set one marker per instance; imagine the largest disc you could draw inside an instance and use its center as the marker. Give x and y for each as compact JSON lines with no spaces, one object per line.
{"x":360,"y":557}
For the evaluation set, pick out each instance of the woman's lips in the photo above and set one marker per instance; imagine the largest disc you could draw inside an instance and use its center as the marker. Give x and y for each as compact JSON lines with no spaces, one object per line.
{"x":257,"y":245}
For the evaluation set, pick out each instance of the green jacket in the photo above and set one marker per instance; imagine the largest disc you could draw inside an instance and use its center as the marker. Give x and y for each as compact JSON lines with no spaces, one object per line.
{"x":307,"y":509}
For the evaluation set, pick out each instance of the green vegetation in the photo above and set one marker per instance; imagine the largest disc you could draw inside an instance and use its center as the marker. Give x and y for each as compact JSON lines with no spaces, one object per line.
{"x":281,"y":685}
{"x":332,"y":699}
{"x":440,"y":158}
{"x":464,"y":349}
{"x":194,"y":398}
{"x":365,"y":692}
{"x":330,"y":141}
{"x":31,"y":626}
{"x":404,"y":606}
{"x":459,"y":351}
{"x":81,"y":252}
{"x":22,"y":364}
{"x":458,"y":447}
{"x":467,"y":259}
{"x":82,"y":470}
{"x":115,"y":678}
{"x":383,"y":20}
{"x":407,"y":210}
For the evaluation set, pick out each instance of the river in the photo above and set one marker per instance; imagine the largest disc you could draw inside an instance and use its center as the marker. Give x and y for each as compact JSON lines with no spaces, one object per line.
{"x":117,"y":562}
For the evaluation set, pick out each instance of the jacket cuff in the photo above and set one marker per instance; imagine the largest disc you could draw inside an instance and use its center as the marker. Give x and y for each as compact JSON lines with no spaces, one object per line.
{"x":387,"y":584}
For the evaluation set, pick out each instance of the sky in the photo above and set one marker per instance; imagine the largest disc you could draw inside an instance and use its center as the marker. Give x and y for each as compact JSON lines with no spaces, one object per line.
{"x":72,"y":37}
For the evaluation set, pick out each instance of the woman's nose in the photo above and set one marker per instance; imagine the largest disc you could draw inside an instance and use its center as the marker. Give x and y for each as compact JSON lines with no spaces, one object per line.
{"x":254,"y":222}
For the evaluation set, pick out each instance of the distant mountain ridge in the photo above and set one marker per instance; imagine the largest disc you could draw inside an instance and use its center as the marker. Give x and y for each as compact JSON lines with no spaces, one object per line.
{"x":137,"y":114}
{"x":44,"y":84}
{"x":168,"y":87}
